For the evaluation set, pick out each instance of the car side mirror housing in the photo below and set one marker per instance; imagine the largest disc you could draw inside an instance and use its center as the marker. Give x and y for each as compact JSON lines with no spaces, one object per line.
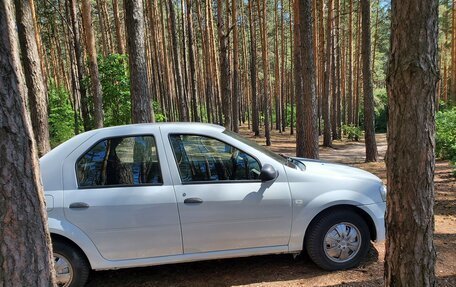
{"x":268,"y":173}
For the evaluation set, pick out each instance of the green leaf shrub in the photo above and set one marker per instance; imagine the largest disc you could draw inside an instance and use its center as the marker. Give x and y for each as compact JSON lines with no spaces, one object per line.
{"x":352,"y":132}
{"x":446,"y":134}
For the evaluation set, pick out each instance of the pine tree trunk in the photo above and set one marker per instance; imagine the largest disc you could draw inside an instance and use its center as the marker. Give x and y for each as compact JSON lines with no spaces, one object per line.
{"x":80,"y":69}
{"x":412,"y":83}
{"x":266,"y":98}
{"x":93,"y":64}
{"x":369,"y":113}
{"x":183,"y":115}
{"x":119,"y":34}
{"x":36,"y":85}
{"x":191,"y":54}
{"x":349,"y":95}
{"x":235,"y":98}
{"x":141,"y":107}
{"x":25,"y":245}
{"x":307,"y":121}
{"x":338,"y":116}
{"x":253,"y":72}
{"x":277,"y":82}
{"x":326,"y":102}
{"x":224,"y":67}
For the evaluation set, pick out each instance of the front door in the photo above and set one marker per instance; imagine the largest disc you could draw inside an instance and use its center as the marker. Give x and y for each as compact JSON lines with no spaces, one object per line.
{"x":121,"y":198}
{"x":222,"y":203}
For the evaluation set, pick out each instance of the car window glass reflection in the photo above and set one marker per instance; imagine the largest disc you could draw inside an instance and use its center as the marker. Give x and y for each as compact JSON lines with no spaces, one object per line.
{"x":202,"y":158}
{"x":120,"y":161}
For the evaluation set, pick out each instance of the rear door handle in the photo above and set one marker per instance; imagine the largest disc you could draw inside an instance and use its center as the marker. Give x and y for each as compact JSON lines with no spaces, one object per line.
{"x":79,"y":205}
{"x":194,"y":200}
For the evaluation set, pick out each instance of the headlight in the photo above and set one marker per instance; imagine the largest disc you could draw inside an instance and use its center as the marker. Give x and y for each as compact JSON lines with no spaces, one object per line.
{"x":383,"y":192}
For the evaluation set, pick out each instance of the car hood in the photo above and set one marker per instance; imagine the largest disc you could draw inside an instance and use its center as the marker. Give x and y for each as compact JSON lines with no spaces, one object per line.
{"x":336,"y":170}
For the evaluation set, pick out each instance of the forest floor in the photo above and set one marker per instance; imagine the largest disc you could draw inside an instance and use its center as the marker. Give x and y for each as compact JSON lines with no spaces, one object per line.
{"x":283,"y":270}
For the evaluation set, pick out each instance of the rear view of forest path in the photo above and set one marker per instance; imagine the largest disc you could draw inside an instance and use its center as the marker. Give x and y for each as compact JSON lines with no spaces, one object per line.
{"x":283,"y":270}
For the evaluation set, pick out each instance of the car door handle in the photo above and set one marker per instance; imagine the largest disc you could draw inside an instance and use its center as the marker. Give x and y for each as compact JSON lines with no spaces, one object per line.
{"x":193,"y":200}
{"x":79,"y":205}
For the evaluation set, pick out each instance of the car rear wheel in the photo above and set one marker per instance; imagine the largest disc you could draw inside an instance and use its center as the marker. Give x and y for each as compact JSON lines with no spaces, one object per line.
{"x":71,"y":267}
{"x":338,"y":240}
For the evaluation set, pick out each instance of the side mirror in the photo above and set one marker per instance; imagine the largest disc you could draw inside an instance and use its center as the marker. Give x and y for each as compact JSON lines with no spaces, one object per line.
{"x":268,"y":173}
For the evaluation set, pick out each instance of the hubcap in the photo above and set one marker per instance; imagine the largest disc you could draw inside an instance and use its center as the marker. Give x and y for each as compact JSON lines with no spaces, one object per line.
{"x":342,"y":242}
{"x":63,"y":270}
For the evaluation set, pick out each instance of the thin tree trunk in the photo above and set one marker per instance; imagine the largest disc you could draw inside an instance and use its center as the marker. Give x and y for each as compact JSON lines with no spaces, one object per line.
{"x":277,"y":82}
{"x":374,"y":46}
{"x":369,"y":114}
{"x":235,"y":98}
{"x":118,"y":25}
{"x":412,"y":83}
{"x":266,"y":98}
{"x":307,"y":105}
{"x":326,"y":103}
{"x":93,"y":64}
{"x":36,"y":85}
{"x":338,"y":116}
{"x":80,"y":69}
{"x":141,"y":107}
{"x":253,"y":72}
{"x":183,"y":115}
{"x":191,"y":53}
{"x":25,"y":245}
{"x":349,"y":95}
{"x":224,"y":67}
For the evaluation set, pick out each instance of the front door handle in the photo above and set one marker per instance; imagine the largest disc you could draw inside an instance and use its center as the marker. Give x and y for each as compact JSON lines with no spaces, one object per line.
{"x":194,"y":200}
{"x":79,"y":205}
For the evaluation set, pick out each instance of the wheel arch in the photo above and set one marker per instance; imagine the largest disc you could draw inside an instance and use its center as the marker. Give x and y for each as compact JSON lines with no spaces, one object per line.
{"x":58,"y":237}
{"x":362,"y":213}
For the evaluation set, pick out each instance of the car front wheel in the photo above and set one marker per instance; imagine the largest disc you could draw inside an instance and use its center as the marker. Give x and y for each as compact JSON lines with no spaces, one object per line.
{"x":71,"y":267}
{"x":338,"y":240}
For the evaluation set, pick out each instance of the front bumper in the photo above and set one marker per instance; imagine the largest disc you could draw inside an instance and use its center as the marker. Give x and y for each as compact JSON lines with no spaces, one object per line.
{"x":377,"y":213}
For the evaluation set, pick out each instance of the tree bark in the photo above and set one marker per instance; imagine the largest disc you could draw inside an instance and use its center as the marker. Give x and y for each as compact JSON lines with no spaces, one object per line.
{"x":80,"y":69}
{"x":266,"y":98}
{"x":192,"y":64}
{"x":412,"y":86}
{"x":349,"y":96}
{"x":97,"y":93}
{"x":253,"y":72}
{"x":182,"y":107}
{"x":369,"y":113}
{"x":235,"y":98}
{"x":224,"y":67}
{"x":25,"y":245}
{"x":326,"y":102}
{"x":119,"y":34}
{"x":307,"y":105}
{"x":36,"y":84}
{"x":141,"y":106}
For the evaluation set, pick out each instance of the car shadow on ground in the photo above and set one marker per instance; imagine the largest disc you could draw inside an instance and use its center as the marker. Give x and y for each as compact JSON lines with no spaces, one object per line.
{"x":226,"y":272}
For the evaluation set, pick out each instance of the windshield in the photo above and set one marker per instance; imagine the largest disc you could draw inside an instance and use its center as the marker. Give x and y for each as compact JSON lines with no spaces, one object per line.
{"x":280,"y":158}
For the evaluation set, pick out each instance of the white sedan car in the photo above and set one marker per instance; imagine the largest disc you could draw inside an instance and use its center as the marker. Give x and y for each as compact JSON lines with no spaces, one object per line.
{"x":149,"y":194}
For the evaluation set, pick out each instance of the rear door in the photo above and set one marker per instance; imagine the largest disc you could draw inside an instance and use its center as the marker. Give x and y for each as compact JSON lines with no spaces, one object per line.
{"x":118,"y":191}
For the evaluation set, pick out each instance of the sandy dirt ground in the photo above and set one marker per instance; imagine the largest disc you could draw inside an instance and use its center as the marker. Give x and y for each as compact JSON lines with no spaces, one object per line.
{"x":284,"y":270}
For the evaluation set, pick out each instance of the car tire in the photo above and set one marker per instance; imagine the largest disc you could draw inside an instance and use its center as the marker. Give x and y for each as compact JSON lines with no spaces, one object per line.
{"x":71,"y":266}
{"x":338,"y":240}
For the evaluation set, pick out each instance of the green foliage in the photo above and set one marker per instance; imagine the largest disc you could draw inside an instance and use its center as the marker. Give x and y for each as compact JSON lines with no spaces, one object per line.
{"x":159,"y":115}
{"x":115,"y":83}
{"x":352,"y":132}
{"x":446,"y":134}
{"x":61,"y":115}
{"x":381,"y":110}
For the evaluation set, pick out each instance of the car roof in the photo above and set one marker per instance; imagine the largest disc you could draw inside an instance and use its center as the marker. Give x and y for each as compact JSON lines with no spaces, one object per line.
{"x":167,"y":124}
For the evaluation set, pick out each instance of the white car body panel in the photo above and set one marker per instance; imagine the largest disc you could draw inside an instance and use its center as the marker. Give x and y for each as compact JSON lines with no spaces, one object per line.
{"x":151,"y":225}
